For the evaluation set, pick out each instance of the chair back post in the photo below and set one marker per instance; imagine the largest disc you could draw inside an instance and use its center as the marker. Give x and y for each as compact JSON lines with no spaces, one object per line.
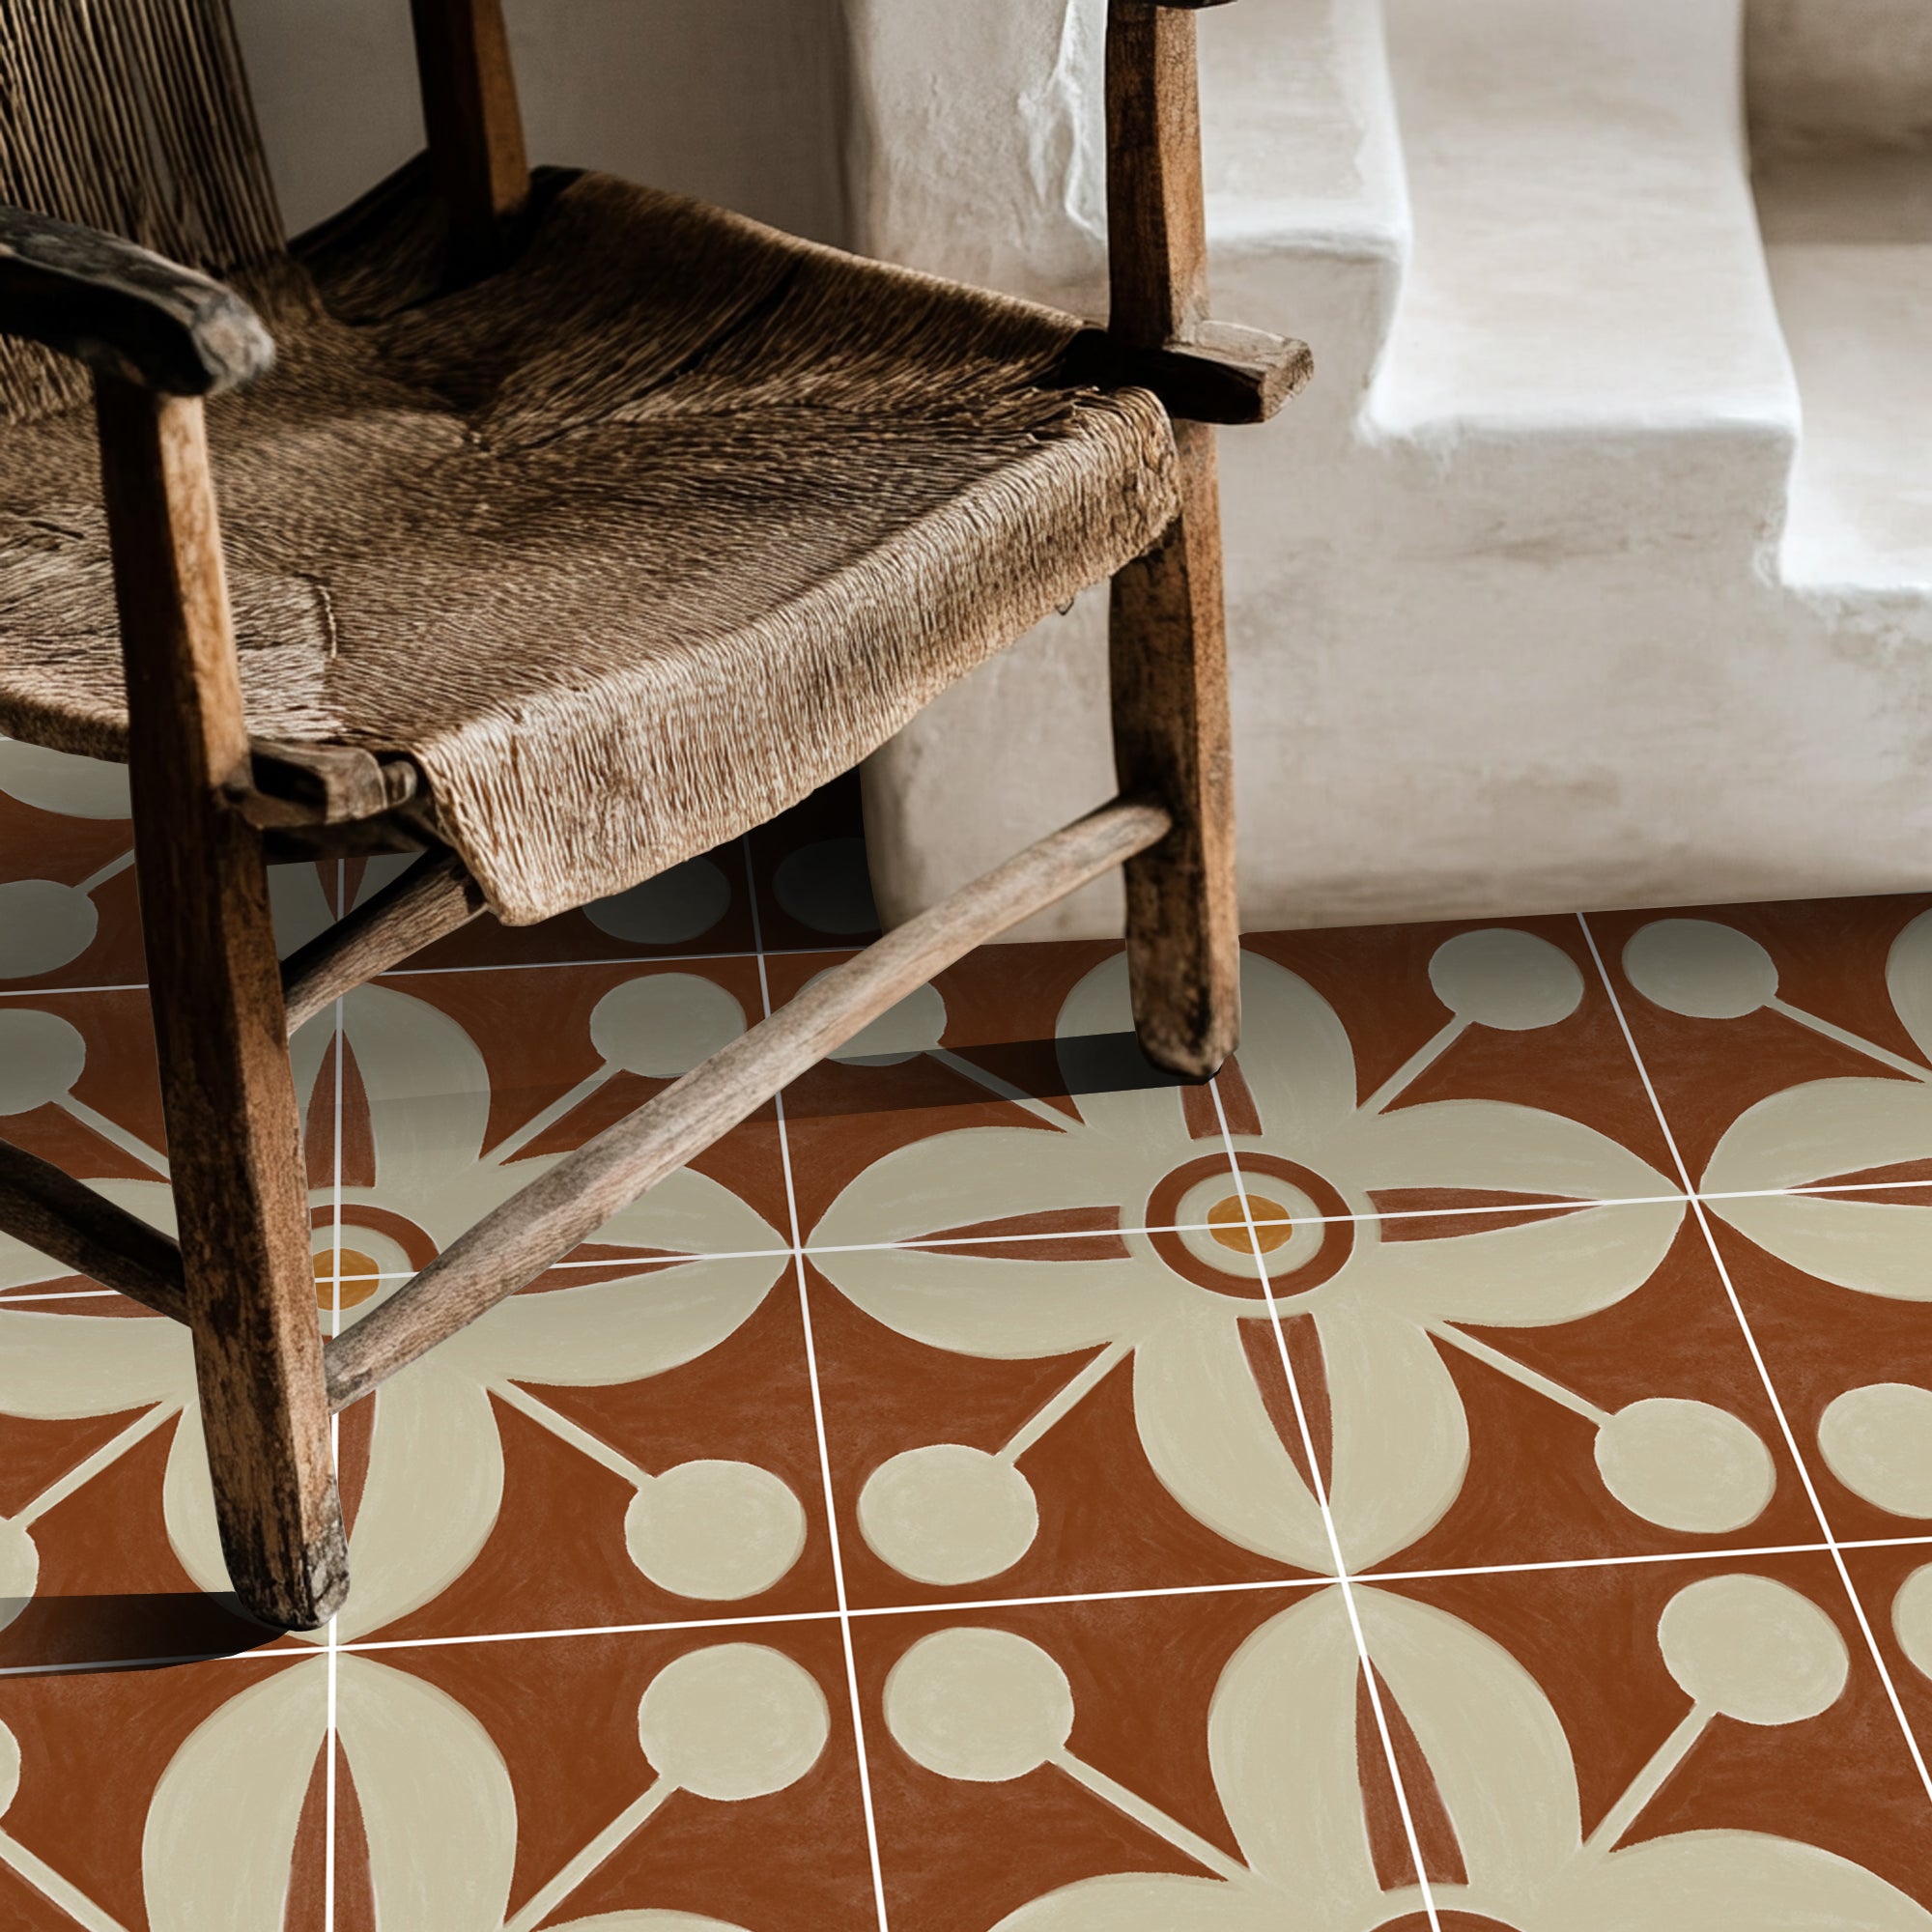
{"x":1157,"y":230}
{"x":1167,"y":646}
{"x":474,"y":127}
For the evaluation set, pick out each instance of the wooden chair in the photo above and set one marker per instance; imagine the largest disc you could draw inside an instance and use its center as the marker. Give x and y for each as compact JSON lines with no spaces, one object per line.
{"x":577,"y":529}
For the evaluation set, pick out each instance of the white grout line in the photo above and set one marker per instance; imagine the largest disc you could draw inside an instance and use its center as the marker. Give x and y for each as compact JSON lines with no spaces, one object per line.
{"x":333,"y":1640}
{"x":953,"y":1605}
{"x":824,"y":1451}
{"x":1790,"y":1434}
{"x":1321,"y":1492}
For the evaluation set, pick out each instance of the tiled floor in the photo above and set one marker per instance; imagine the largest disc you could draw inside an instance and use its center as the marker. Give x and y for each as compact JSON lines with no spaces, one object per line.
{"x":919,"y":1515}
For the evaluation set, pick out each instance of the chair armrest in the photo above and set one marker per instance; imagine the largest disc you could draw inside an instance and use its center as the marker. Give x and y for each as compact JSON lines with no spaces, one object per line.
{"x":126,"y":312}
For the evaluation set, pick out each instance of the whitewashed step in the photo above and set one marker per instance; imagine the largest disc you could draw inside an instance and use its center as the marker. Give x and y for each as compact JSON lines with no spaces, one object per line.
{"x":1849,"y":240}
{"x":1307,"y":211}
{"x":1586,"y":279}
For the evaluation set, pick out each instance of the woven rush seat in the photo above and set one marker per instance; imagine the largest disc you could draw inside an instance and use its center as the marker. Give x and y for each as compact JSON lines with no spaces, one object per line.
{"x":629,"y":545}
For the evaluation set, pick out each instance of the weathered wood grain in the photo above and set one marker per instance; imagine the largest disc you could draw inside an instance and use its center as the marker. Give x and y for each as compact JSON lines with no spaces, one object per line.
{"x":475,"y":129}
{"x":513,"y":1245}
{"x":66,"y":1218}
{"x":430,"y":900}
{"x":124,"y":311}
{"x":1225,"y":374}
{"x":1167,"y":631}
{"x":234,"y":1135}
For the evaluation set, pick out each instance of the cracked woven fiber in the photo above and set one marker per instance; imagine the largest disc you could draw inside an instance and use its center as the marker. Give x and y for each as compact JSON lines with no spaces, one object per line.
{"x":629,"y":546}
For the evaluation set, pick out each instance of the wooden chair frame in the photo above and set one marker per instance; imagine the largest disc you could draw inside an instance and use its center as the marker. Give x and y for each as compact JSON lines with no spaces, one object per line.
{"x":212,"y":808}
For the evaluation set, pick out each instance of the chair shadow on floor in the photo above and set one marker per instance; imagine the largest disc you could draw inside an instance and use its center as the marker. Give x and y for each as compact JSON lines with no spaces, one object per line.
{"x":135,"y":1631}
{"x":1047,"y":1069}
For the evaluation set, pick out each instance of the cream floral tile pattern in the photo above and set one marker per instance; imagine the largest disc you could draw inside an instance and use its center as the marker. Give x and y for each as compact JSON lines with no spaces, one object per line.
{"x":1003,"y":1489}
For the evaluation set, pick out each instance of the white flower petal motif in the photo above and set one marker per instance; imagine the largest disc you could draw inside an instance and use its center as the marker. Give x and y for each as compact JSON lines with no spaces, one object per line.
{"x":1810,"y":1133}
{"x":689,"y":1213}
{"x":1180,"y":1302}
{"x":1874,"y":1247}
{"x":435,"y":1437}
{"x":980,"y":1174}
{"x":1908,"y":978}
{"x":1557,"y":1268}
{"x":978,"y":1305}
{"x":1126,"y":1902}
{"x":1285,"y":1738}
{"x":73,"y":1365}
{"x":1296,"y":1060}
{"x":1491,"y":1143}
{"x":1210,"y":1441}
{"x":221,"y":1825}
{"x":1494,"y":1746}
{"x":22,"y":1267}
{"x":1401,"y":1442}
{"x":436,"y":1800}
{"x":616,"y":1331}
{"x":1122,"y":1098}
{"x":1282,"y":1738}
{"x":428,"y":1089}
{"x":1727,"y":1882}
{"x":645,"y":1922}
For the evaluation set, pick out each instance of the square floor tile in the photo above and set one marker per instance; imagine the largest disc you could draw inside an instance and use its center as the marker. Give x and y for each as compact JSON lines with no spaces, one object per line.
{"x":1709,"y":1729}
{"x":1041,"y":1419}
{"x":175,"y":1827}
{"x":1847,"y":1338}
{"x":710,"y":1773}
{"x":1787,"y":1043}
{"x":1592,"y":1368}
{"x":1067,"y":1748}
{"x":1895,"y":1584}
{"x":69,"y":912}
{"x":1624,"y":1744}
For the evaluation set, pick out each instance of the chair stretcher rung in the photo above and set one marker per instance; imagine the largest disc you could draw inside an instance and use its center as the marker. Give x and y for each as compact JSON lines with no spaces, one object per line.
{"x":536,"y":1227}
{"x":68,"y":1219}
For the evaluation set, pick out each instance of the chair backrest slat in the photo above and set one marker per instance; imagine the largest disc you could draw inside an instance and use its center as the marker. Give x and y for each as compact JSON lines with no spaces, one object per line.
{"x":130,"y":116}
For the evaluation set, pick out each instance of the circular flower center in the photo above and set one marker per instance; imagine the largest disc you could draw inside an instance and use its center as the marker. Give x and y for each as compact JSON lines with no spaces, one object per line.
{"x":1276,"y":1231}
{"x":345,"y":1278}
{"x":1227,"y":1222}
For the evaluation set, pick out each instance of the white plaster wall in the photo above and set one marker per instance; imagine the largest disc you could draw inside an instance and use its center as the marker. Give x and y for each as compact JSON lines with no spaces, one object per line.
{"x":740,"y":102}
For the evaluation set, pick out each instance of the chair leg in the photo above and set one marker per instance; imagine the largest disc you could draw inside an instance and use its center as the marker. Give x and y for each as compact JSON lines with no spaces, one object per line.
{"x":241,"y":1197}
{"x":1168,"y":664}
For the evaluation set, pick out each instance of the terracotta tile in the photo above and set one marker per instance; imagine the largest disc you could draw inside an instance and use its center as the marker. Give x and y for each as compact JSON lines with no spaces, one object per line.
{"x":1742,"y":1012}
{"x":629,"y":1440}
{"x":1894,"y":1585}
{"x":168,"y":1753}
{"x":704,"y":1772}
{"x":1037,"y":1456}
{"x":69,"y":912}
{"x":626,"y":1376}
{"x":80,"y":1087}
{"x":1217,"y":1759}
{"x":982,"y":1810}
{"x":1612,"y":1411}
{"x":1508,"y":1011}
{"x":1850,"y":1354}
{"x":1723,"y":1696}
{"x":912,"y":1098}
{"x":520,"y":1044}
{"x":809,"y":866}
